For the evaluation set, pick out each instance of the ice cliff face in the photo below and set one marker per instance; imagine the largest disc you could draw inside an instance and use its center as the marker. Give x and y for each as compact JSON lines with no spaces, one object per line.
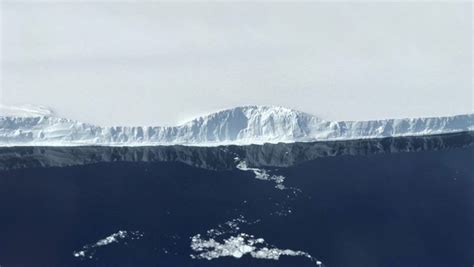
{"x":280,"y":155}
{"x":29,"y":126}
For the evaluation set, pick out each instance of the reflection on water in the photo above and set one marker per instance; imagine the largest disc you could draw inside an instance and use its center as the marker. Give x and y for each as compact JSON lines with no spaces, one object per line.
{"x":223,"y":157}
{"x":387,"y":202}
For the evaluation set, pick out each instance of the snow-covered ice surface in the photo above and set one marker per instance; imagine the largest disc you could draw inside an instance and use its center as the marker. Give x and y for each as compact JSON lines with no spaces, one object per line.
{"x":38,"y":126}
{"x":88,"y":251}
{"x":25,"y":111}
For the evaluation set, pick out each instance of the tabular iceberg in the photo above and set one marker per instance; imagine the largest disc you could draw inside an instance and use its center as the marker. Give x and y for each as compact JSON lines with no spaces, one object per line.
{"x":38,"y":126}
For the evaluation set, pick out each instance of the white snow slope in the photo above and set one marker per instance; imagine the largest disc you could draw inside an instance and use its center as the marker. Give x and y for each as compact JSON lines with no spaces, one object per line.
{"x":38,"y":126}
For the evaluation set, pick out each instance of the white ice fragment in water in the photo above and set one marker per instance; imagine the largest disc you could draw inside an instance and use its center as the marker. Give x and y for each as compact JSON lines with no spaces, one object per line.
{"x":261,"y":174}
{"x":238,"y":246}
{"x":80,"y":253}
{"x":89,"y":250}
{"x":112,"y":238}
{"x":229,"y":227}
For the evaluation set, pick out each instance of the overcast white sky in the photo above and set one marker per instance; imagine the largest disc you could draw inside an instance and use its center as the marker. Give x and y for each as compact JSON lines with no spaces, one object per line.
{"x":159,"y":63}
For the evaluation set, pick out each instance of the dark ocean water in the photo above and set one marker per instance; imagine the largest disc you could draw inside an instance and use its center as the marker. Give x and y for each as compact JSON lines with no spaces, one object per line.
{"x":389,"y":202}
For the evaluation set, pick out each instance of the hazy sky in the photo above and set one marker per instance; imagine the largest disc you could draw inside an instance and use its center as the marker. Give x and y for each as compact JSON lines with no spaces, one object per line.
{"x":159,"y":63}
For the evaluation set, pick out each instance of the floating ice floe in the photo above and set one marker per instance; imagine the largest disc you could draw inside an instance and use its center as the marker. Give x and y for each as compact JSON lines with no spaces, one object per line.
{"x":213,"y":245}
{"x":262,"y":174}
{"x":238,"y":246}
{"x":230,"y":227}
{"x":88,"y":251}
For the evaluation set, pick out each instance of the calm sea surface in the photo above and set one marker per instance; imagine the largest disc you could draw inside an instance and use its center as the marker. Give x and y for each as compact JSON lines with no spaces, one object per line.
{"x":381,"y":203}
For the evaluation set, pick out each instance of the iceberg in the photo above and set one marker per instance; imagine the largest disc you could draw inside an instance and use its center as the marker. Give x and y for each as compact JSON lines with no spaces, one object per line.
{"x":39,"y":126}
